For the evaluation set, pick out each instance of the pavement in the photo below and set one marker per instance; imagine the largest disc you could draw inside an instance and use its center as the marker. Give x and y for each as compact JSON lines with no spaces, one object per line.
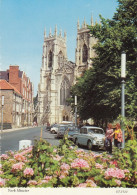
{"x":17,"y":129}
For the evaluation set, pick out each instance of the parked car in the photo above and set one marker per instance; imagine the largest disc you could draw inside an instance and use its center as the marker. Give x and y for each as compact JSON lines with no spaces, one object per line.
{"x":61,"y":131}
{"x":48,"y":128}
{"x":54,"y":129}
{"x":72,"y":130}
{"x":90,"y":136}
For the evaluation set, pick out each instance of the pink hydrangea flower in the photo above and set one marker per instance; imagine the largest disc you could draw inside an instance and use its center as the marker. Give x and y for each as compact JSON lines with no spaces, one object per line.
{"x":65,"y":166}
{"x":118,"y":182}
{"x":32,"y":182}
{"x":62,"y":176}
{"x":4,"y":156}
{"x":99,"y":166}
{"x":17,"y":166}
{"x":114,"y":163}
{"x":55,"y":150}
{"x":71,"y":147}
{"x":79,"y":163}
{"x":114,"y":172}
{"x":48,"y":177}
{"x":28,"y":172}
{"x":2,"y":182}
{"x":43,"y":181}
{"x":19,"y":157}
{"x":1,"y":172}
{"x":57,"y":158}
{"x":82,"y":185}
{"x":79,"y":151}
{"x":91,"y":183}
{"x":26,"y":151}
{"x":126,"y":171}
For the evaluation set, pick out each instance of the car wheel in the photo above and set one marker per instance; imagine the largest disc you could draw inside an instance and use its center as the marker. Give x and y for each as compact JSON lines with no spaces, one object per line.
{"x":53,"y":131}
{"x":89,"y":145}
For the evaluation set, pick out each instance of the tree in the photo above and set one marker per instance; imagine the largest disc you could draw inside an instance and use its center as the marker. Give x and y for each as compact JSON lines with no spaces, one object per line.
{"x":99,"y":90}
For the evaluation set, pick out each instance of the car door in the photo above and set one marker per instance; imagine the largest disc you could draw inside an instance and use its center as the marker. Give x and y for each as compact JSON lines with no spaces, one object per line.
{"x":85,"y":136}
{"x":80,"y":136}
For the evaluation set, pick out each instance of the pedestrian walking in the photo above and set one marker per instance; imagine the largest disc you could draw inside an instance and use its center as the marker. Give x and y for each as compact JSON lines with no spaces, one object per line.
{"x":109,"y":138}
{"x":118,"y":136}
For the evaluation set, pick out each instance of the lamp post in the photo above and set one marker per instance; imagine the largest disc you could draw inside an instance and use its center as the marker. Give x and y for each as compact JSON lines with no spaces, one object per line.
{"x":123,"y":76}
{"x":2,"y":104}
{"x":75,"y":110}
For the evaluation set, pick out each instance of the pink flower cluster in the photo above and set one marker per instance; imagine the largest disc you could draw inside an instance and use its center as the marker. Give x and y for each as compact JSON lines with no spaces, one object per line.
{"x":0,"y":166}
{"x":114,"y":163}
{"x":114,"y":172}
{"x":118,"y":182}
{"x":28,"y":171}
{"x":126,"y":171}
{"x":57,"y":158}
{"x":79,"y":150}
{"x":26,"y":151}
{"x":2,"y":182}
{"x":32,"y":182}
{"x":79,"y":163}
{"x":48,"y":178}
{"x":99,"y":166}
{"x":88,"y":183}
{"x":43,"y":181}
{"x":65,"y":166}
{"x":19,"y":157}
{"x":4,"y":156}
{"x":17,"y":166}
{"x":63,"y":174}
{"x":1,"y":172}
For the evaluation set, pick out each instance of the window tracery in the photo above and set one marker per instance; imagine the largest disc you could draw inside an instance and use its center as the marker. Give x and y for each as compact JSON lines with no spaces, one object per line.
{"x":64,"y":91}
{"x":85,"y":53}
{"x":50,"y":59}
{"x":60,"y":59}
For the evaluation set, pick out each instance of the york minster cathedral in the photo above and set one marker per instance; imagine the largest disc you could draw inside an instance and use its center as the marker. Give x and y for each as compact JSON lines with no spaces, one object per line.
{"x":58,"y":74}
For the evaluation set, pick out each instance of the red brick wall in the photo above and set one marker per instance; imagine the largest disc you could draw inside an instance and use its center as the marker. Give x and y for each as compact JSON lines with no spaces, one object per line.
{"x":14,"y":77}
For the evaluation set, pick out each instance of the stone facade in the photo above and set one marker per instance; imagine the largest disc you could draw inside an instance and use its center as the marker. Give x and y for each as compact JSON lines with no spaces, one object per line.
{"x":57,"y":74}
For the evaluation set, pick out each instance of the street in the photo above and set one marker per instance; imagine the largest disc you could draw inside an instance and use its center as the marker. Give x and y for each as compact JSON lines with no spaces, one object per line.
{"x":10,"y":140}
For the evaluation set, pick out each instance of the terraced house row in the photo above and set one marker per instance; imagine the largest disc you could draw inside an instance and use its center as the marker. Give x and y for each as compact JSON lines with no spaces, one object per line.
{"x":17,"y":90}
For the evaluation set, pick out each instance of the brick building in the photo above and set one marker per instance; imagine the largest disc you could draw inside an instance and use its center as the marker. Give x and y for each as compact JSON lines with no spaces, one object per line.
{"x":22,"y":83}
{"x":12,"y":105}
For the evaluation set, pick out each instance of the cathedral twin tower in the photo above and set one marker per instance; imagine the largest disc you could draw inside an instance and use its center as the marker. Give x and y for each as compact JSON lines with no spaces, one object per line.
{"x":57,"y":74}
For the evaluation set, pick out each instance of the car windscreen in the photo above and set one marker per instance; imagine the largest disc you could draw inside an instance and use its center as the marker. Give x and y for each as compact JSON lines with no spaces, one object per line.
{"x":63,"y":128}
{"x":56,"y":125}
{"x":97,"y":131}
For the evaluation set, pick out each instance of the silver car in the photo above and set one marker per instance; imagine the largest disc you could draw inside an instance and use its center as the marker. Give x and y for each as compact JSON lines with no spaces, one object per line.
{"x":90,"y":136}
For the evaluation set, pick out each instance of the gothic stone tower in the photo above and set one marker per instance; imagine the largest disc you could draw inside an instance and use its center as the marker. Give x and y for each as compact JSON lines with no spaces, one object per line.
{"x":56,"y":77}
{"x":84,"y":49}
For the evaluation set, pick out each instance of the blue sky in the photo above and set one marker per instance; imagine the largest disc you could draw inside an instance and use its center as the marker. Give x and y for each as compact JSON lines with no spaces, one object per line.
{"x":22,"y":24}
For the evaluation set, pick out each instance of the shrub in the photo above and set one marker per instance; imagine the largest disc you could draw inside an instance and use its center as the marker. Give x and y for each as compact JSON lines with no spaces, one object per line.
{"x":44,"y":165}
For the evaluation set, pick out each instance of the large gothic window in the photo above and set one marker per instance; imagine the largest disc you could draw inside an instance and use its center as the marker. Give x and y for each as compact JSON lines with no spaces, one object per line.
{"x":60,"y":59}
{"x":50,"y":59}
{"x":85,"y":53}
{"x":64,"y":91}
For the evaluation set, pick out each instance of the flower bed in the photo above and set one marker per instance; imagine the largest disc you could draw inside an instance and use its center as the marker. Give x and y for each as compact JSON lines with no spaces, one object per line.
{"x":44,"y":165}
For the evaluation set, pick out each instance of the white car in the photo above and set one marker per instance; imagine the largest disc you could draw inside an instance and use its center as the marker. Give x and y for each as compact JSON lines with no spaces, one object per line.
{"x":54,"y":129}
{"x":90,"y":136}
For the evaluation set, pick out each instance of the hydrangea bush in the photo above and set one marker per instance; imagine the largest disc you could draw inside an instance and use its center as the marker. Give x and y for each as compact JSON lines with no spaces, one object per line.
{"x":44,"y":165}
